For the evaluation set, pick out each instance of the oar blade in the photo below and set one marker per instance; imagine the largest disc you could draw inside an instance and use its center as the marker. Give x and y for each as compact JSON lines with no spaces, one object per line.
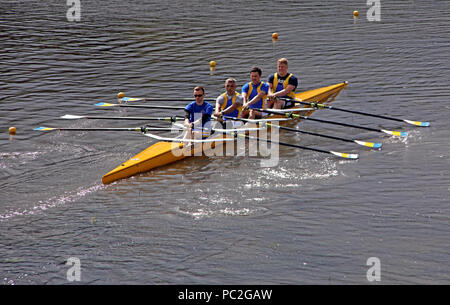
{"x":72,"y":117}
{"x":344,"y":155}
{"x":105,"y":104}
{"x":395,"y":133}
{"x":418,"y":123}
{"x":131,"y":99}
{"x":42,"y":128}
{"x":369,"y":144}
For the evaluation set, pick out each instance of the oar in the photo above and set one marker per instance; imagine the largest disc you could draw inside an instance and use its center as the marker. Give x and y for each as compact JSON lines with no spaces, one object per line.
{"x":339,"y":154}
{"x":159,"y":99}
{"x":363,"y":143}
{"x":139,"y":129}
{"x":76,"y":117}
{"x":317,"y":105}
{"x":389,"y":132}
{"x":140,"y":106}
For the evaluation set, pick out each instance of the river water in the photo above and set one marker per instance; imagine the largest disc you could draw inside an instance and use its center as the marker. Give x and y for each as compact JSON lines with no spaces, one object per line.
{"x":312,"y":219}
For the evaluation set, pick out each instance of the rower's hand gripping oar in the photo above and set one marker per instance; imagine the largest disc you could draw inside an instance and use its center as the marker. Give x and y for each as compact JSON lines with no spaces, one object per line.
{"x":322,"y":106}
{"x":292,"y":115}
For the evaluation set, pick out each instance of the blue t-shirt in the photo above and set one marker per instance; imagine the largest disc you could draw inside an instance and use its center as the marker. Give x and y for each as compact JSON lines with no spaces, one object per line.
{"x":260,"y":103}
{"x":196,"y":111}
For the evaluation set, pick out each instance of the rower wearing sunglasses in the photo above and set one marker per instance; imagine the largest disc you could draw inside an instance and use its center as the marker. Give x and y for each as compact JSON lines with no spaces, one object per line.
{"x":198,"y":116}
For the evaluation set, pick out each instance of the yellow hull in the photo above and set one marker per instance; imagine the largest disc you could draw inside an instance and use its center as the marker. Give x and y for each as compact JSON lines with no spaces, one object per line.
{"x":163,"y":153}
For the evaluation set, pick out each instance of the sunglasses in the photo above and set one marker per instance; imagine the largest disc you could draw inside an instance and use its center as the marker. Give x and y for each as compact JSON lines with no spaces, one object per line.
{"x":198,"y":95}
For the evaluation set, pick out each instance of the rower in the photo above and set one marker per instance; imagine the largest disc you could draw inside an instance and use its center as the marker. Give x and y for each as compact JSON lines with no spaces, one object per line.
{"x":198,"y":116}
{"x":228,"y":103}
{"x":281,"y":84}
{"x":254,"y":94}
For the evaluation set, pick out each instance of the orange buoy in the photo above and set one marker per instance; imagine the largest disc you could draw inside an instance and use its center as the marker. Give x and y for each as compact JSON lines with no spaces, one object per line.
{"x":212,"y":63}
{"x":275,"y":36}
{"x":355,"y":14}
{"x":12,"y":131}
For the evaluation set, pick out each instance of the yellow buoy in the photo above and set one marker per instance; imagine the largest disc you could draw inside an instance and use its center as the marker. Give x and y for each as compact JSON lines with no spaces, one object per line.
{"x":355,"y":14}
{"x":275,"y":36}
{"x":120,"y":95}
{"x":212,"y":63}
{"x":12,"y":131}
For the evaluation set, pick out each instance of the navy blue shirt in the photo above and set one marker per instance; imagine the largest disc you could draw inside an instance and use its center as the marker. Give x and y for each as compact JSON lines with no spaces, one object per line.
{"x":292,"y":81}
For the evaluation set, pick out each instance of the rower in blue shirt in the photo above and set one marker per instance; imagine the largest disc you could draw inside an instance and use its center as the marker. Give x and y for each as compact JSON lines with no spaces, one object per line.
{"x":198,"y":116}
{"x":254,"y":94}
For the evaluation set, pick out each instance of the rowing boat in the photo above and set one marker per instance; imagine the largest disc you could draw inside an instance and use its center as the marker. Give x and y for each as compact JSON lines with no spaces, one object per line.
{"x":169,"y":150}
{"x":165,"y":152}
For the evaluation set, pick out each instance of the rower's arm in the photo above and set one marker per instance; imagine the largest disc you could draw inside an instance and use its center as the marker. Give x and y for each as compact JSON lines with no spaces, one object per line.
{"x":229,"y":109}
{"x":187,"y":120}
{"x":257,"y":97}
{"x":270,"y":89}
{"x":285,"y":91}
{"x":218,"y":107}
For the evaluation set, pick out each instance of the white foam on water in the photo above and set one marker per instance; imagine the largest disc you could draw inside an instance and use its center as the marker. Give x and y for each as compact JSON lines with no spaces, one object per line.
{"x":53,"y":202}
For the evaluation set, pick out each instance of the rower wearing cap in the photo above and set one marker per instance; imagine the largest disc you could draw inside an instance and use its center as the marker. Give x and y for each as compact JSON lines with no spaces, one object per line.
{"x":281,"y":84}
{"x":254,"y":94}
{"x":229,"y":103}
{"x":198,"y":116}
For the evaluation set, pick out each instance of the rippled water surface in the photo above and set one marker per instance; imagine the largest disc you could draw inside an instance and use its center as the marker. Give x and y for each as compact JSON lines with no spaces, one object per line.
{"x":312,"y":219}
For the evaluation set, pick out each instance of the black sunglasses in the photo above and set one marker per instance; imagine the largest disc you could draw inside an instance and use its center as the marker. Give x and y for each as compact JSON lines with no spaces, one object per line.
{"x":198,"y":95}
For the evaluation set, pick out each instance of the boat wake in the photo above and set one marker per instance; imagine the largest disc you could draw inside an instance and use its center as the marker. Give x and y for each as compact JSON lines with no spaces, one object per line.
{"x":284,"y":176}
{"x":53,"y":202}
{"x":19,"y":158}
{"x":219,"y":205}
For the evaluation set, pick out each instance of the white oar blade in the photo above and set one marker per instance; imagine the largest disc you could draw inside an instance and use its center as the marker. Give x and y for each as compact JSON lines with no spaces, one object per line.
{"x":369,"y":144}
{"x":344,"y":155}
{"x":72,"y":117}
{"x":395,"y":133}
{"x":418,"y":123}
